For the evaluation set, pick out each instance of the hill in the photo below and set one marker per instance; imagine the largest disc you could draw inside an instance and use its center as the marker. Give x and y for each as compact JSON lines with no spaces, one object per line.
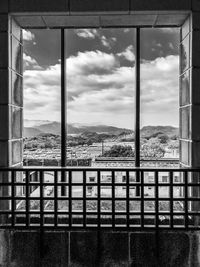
{"x":148,"y":131}
{"x":79,"y":129}
{"x":55,"y":128}
{"x":30,"y":132}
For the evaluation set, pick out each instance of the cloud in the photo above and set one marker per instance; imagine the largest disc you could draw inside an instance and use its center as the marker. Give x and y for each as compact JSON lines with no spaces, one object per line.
{"x":42,"y":93}
{"x":87,"y":33}
{"x":128,"y":53}
{"x":99,"y":89}
{"x":28,"y":36}
{"x":108,"y":42}
{"x":30,"y":63}
{"x":93,"y":33}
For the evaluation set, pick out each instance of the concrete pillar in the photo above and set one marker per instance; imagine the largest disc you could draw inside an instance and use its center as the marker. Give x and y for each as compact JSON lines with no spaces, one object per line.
{"x":11,"y":100}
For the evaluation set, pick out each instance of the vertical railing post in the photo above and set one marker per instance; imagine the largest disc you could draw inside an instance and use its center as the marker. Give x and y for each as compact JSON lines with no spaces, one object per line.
{"x":27,"y":175}
{"x":171,"y":199}
{"x":127,"y":199}
{"x":142,"y":199}
{"x":13,"y":206}
{"x":84,"y":200}
{"x":186,"y":198}
{"x":99,"y":199}
{"x":55,"y":198}
{"x":157,"y":199}
{"x":113,"y":199}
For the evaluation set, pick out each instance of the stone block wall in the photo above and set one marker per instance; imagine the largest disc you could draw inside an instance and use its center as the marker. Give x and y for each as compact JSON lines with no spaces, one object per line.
{"x":105,"y":248}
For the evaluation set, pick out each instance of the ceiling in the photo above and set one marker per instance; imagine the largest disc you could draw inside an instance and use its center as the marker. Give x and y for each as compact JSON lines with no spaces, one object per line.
{"x":134,"y":19}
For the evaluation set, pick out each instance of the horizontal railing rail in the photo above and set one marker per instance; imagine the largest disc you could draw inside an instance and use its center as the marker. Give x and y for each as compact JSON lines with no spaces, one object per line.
{"x":100,"y":198}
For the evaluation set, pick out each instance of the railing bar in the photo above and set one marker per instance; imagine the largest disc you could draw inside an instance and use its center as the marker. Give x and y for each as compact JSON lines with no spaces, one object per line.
{"x":172,"y":222}
{"x":13,"y":197}
{"x":156,"y":200}
{"x":99,"y":199}
{"x":113,"y":199}
{"x":127,"y":201}
{"x":142,"y":199}
{"x":186,"y":198}
{"x":171,"y":199}
{"x":41,"y":199}
{"x":50,"y":169}
{"x":106,"y":198}
{"x":84,"y":199}
{"x":70,"y":198}
{"x":56,"y":198}
{"x":27,"y":197}
{"x":96,"y":184}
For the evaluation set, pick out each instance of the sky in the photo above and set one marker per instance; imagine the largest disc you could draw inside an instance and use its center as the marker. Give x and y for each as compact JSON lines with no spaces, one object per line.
{"x":100,"y":76}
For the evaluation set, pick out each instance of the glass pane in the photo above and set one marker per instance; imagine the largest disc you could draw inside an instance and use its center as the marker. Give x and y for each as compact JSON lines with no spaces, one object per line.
{"x":41,"y":97}
{"x":159,"y":97}
{"x":100,"y":97}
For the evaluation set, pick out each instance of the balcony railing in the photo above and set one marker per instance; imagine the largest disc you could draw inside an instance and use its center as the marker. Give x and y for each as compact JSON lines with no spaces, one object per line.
{"x":91,"y":198}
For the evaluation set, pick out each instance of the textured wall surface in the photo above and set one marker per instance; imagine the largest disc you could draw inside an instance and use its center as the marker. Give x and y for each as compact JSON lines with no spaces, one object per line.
{"x":86,"y":248}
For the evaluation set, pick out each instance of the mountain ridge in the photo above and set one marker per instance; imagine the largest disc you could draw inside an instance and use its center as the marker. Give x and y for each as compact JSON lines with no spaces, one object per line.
{"x":55,"y":128}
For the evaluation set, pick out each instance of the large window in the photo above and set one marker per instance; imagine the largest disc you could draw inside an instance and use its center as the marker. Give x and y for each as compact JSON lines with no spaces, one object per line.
{"x":96,"y":71}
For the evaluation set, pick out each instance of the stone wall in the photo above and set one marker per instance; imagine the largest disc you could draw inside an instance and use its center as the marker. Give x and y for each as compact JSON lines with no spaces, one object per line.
{"x":106,"y":248}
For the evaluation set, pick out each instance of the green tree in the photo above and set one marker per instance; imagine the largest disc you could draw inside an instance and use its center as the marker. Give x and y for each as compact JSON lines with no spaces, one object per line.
{"x":119,"y":151}
{"x":163,"y":138}
{"x":152,"y":149}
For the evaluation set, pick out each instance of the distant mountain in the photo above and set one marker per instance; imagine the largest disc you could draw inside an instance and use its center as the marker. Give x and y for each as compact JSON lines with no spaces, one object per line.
{"x":55,"y":128}
{"x":30,"y":132}
{"x":33,"y":123}
{"x":52,"y":127}
{"x":98,"y":129}
{"x":148,"y":131}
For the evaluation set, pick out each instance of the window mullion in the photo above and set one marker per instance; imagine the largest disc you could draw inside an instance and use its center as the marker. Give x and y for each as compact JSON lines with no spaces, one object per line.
{"x":63,"y":100}
{"x":137,"y":99}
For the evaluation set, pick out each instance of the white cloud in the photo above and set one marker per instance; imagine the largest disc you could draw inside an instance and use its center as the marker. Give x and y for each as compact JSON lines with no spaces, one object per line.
{"x":87,"y":33}
{"x":100,"y":90}
{"x":108,"y":42}
{"x":42,"y":93}
{"x":30,"y":62}
{"x":28,"y":36}
{"x":93,"y":33}
{"x":128,"y":53}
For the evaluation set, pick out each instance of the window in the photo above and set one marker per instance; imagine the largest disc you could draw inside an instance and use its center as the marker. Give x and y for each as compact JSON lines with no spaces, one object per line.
{"x":100,"y":111}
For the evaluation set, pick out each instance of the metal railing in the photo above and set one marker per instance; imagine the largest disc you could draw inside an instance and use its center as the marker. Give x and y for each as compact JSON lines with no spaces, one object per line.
{"x":90,"y":198}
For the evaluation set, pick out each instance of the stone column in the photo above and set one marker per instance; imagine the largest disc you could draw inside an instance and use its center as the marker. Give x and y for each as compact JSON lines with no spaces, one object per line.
{"x":11,"y":100}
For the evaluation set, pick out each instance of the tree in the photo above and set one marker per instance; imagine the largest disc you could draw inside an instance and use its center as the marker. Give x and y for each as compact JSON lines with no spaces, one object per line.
{"x":163,"y":138}
{"x":152,"y":149}
{"x":119,"y":151}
